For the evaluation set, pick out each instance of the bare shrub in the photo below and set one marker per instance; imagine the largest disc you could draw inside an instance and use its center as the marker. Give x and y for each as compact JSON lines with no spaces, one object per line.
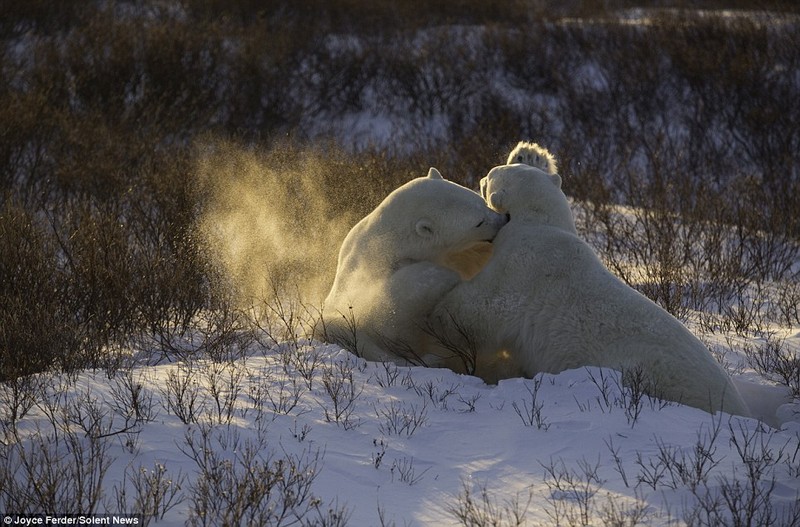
{"x":281,"y":316}
{"x":531,"y":411}
{"x":401,"y":419}
{"x":37,"y":331}
{"x":17,"y":396}
{"x":694,"y":468}
{"x":631,"y":390}
{"x":571,"y":491}
{"x":182,"y":393}
{"x":436,"y":392}
{"x":619,"y":513}
{"x":98,"y":419}
{"x":281,"y":396}
{"x":60,"y":471}
{"x":677,"y":467}
{"x":391,"y":374}
{"x":471,"y":510}
{"x":243,"y":481}
{"x":348,"y":338}
{"x":339,"y":383}
{"x":789,"y":301}
{"x":774,"y":359}
{"x":639,"y":387}
{"x":406,"y":473}
{"x":618,"y":464}
{"x":131,"y":399}
{"x":744,"y":498}
{"x":154,"y":492}
{"x":224,"y":384}
{"x":460,"y":341}
{"x":377,"y":457}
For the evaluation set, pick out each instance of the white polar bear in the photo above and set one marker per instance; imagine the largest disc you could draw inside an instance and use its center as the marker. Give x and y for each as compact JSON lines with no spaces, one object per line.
{"x":547,"y":300}
{"x":398,"y":262}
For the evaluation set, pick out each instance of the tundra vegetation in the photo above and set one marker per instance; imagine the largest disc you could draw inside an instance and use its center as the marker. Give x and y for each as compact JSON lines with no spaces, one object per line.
{"x":176,"y":176}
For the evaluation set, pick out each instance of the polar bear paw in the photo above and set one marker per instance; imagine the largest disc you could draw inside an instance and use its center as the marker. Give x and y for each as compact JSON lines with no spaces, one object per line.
{"x":533,"y":155}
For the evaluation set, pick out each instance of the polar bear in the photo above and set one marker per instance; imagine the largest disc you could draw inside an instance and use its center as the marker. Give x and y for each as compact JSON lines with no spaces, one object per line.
{"x":547,"y":300}
{"x":398,"y":262}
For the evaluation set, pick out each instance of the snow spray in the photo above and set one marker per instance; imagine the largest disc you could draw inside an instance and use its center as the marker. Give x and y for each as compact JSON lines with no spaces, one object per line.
{"x":270,"y":219}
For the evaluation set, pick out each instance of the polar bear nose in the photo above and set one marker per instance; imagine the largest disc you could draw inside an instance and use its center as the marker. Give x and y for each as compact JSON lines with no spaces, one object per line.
{"x":498,"y":220}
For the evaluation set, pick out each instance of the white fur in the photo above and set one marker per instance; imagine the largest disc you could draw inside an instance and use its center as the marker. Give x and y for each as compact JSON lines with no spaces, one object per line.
{"x":547,"y":300}
{"x":392,"y":267}
{"x":533,"y":155}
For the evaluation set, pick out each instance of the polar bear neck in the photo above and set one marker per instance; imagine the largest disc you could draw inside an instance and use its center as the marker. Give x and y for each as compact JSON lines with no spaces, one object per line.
{"x":560,"y":218}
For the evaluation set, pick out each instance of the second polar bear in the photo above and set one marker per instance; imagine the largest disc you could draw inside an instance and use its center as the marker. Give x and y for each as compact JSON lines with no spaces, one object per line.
{"x":547,"y":301}
{"x":398,"y":262}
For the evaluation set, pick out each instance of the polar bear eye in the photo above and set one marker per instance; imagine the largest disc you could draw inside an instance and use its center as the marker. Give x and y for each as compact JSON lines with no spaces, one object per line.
{"x":480,"y":223}
{"x":520,"y":159}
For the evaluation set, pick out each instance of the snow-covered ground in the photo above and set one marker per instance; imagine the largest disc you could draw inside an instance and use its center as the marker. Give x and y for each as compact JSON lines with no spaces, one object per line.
{"x":378,"y":444}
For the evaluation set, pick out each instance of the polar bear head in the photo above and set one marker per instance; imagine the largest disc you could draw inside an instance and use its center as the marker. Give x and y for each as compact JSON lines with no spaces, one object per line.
{"x":431,"y":216}
{"x":529,"y":193}
{"x":426,"y":219}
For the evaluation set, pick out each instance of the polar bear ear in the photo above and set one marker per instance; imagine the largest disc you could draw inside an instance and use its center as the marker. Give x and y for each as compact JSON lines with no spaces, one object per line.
{"x":556,"y":179}
{"x":424,"y":228}
{"x":496,"y":200}
{"x":434,"y":174}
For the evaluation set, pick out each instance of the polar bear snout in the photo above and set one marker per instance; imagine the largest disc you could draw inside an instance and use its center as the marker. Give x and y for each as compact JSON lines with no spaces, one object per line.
{"x":502,"y":218}
{"x":492,"y":224}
